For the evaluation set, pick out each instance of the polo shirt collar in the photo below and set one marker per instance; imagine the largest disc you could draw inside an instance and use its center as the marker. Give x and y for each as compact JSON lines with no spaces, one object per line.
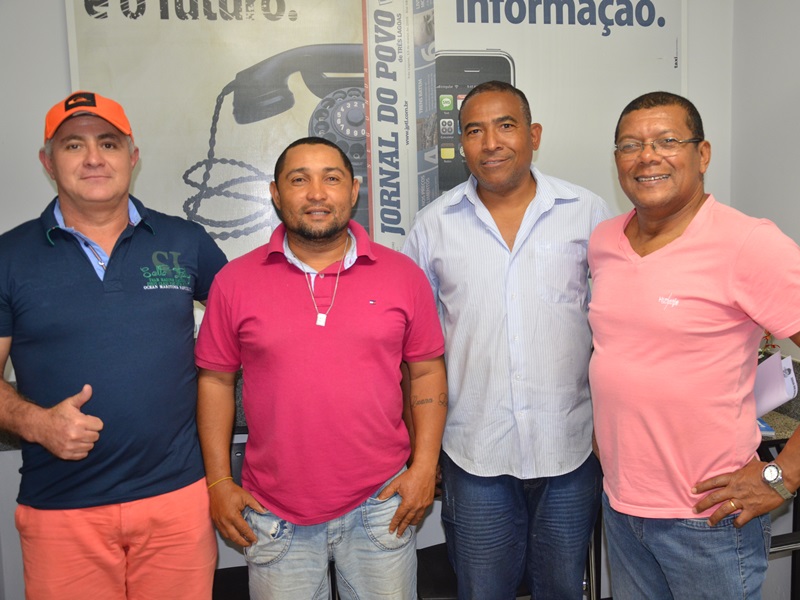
{"x":52,"y":219}
{"x":364,"y":246}
{"x":134,"y":218}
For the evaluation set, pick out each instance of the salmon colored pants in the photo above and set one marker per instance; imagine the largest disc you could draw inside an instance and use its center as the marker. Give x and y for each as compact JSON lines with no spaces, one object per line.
{"x":158,"y":548}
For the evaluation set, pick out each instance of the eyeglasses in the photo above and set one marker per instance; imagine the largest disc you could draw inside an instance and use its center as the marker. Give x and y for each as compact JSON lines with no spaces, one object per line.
{"x":665,"y":147}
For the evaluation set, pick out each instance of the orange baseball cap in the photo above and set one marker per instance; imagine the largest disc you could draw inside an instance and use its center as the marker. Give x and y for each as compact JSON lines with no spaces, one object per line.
{"x":83,"y":103}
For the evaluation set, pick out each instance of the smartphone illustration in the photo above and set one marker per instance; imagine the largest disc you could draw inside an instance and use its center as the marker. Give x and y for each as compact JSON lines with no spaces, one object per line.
{"x":457,"y":72}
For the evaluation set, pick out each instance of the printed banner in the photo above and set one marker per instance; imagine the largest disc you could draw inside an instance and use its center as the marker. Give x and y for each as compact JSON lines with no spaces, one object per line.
{"x":579,"y":62}
{"x":215,"y":89}
{"x":401,"y":87}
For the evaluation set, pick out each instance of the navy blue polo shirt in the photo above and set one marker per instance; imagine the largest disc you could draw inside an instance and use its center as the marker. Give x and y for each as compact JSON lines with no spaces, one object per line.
{"x":129,"y":335}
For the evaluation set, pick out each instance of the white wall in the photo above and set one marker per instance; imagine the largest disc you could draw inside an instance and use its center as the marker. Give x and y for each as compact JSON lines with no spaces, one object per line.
{"x":765,"y":174}
{"x":766,"y":95}
{"x":35,"y":75}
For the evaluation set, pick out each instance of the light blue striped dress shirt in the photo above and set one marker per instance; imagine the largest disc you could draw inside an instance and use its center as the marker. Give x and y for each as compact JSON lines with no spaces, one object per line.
{"x":517,"y":338}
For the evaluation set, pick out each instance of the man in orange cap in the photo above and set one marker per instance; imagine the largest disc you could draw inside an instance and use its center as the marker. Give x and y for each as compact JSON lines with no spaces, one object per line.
{"x":96,"y":313}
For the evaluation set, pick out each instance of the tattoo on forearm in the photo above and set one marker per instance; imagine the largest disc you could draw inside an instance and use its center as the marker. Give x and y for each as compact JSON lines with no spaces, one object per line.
{"x":420,"y":401}
{"x":417,"y":401}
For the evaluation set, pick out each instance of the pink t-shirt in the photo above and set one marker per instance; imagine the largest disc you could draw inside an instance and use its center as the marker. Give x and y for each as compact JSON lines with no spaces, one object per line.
{"x":675,"y":340}
{"x":323,"y":404}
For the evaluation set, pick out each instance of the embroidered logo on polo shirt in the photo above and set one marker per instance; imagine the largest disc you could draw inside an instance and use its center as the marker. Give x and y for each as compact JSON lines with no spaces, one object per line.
{"x":166,"y":273}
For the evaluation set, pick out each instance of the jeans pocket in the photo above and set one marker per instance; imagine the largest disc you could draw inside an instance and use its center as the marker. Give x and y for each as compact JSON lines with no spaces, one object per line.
{"x":760,"y":526}
{"x":766,"y":532}
{"x":274,"y":537}
{"x":377,"y":516}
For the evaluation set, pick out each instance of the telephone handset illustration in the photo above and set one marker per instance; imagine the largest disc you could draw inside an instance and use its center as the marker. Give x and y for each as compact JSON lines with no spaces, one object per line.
{"x":335,"y":74}
{"x":332,"y":72}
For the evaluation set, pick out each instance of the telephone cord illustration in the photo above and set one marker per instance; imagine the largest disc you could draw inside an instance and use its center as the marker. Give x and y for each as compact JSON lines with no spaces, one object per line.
{"x":233,"y":228}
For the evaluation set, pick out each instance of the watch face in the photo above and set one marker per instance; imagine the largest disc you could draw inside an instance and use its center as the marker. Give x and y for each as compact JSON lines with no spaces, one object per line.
{"x":771,"y":473}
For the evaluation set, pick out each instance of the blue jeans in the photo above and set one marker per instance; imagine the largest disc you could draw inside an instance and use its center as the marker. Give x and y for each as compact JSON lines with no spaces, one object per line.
{"x":290,"y":562}
{"x":501,"y":529}
{"x":685,"y":558}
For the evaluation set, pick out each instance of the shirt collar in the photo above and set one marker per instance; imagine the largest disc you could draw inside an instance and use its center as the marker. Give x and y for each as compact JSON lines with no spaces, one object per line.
{"x":134,"y":218}
{"x":52,"y":219}
{"x":363,"y":246}
{"x":349,"y":257}
{"x":548,"y":192}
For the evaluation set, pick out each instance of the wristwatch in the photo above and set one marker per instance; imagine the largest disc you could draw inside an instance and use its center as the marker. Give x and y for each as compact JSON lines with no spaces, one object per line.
{"x":772,"y":475}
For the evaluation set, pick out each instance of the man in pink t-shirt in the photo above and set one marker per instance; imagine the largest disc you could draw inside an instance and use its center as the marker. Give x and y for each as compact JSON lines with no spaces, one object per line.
{"x":320,"y":319}
{"x":683,"y":288}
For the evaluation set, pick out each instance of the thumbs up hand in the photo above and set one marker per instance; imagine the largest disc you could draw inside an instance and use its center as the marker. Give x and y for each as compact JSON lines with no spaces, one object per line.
{"x":65,"y":430}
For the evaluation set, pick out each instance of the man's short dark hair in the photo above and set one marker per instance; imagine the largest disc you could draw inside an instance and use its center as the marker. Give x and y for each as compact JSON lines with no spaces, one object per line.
{"x":500,"y":86}
{"x":312,"y":141}
{"x":656,"y":99}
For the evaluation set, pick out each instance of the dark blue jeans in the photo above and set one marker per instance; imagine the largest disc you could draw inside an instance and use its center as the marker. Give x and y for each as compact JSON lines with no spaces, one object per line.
{"x":685,"y":558}
{"x":501,"y":529}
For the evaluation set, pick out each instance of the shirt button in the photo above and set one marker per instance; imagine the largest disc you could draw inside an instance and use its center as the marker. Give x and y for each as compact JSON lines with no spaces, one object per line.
{"x":322,"y":275}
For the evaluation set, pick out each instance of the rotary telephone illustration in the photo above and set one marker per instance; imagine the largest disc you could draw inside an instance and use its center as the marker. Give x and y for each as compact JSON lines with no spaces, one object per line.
{"x":332,"y":72}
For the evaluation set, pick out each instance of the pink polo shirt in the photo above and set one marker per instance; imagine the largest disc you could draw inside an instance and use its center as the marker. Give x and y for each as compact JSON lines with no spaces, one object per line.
{"x":675,"y":338}
{"x":323,"y":404}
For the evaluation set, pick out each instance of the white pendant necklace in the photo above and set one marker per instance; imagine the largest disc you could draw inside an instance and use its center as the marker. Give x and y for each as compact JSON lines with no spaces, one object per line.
{"x":323,"y":317}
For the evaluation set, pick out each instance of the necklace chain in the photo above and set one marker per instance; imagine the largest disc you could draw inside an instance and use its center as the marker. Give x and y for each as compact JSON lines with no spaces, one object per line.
{"x":323,"y":317}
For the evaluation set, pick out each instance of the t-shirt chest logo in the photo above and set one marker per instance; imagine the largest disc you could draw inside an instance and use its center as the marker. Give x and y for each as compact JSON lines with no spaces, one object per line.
{"x":668,"y":301}
{"x":166,"y":272}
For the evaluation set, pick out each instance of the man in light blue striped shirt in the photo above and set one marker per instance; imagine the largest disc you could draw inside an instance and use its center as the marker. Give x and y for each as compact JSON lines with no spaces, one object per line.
{"x":505,"y":253}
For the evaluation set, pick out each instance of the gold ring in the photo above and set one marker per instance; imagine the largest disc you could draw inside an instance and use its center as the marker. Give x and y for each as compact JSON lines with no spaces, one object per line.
{"x":733,"y":505}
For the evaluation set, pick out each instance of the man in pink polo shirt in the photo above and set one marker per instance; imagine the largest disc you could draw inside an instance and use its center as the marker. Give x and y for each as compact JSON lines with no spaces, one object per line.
{"x":320,"y":319}
{"x":683,"y":289}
